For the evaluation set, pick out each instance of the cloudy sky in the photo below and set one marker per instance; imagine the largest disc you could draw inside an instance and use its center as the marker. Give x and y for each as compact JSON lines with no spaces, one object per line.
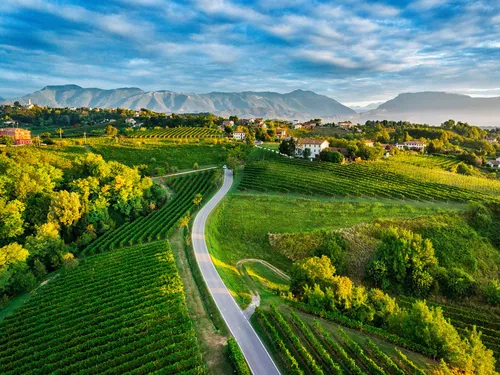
{"x":356,"y":51}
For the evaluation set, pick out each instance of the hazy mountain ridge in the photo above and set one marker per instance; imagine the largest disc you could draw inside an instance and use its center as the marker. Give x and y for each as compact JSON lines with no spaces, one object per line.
{"x":422,"y":107}
{"x":297,"y":104}
{"x":434,"y":108}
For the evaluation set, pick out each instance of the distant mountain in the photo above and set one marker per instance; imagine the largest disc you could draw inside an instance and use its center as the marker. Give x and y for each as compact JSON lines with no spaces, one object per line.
{"x":434,"y":108}
{"x":299,"y":104}
{"x":366,"y":108}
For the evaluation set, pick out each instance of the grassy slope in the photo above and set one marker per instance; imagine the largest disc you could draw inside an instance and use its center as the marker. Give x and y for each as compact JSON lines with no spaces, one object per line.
{"x":238,"y":229}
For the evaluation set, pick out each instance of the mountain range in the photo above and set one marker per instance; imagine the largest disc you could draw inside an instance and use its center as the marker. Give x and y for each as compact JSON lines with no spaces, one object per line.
{"x":423,"y":107}
{"x":297,"y":104}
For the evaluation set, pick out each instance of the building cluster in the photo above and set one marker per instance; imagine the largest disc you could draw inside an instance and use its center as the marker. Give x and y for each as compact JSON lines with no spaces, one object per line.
{"x":494,"y":163}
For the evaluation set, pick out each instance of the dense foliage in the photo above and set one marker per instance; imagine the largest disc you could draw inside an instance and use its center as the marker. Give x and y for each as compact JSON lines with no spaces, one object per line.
{"x":189,"y":191}
{"x":118,"y":312}
{"x":49,"y":209}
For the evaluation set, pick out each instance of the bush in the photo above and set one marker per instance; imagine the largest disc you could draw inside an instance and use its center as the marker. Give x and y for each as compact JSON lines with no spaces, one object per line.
{"x":237,"y":358}
{"x":492,"y":293}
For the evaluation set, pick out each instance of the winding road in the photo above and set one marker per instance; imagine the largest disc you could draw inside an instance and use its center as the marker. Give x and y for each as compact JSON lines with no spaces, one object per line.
{"x":258,"y":358}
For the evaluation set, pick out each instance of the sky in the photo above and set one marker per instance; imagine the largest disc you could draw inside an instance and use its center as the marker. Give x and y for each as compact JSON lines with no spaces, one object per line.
{"x":355,"y":51}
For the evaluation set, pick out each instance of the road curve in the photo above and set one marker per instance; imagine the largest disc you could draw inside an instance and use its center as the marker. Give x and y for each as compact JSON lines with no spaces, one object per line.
{"x":258,"y":359}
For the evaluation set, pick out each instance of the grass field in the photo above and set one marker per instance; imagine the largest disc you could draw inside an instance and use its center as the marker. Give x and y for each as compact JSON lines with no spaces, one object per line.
{"x":119,"y":312}
{"x":157,"y":154}
{"x":239,"y":227}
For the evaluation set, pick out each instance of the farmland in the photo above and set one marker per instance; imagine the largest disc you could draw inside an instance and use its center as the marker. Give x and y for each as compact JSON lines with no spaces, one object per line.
{"x":383,"y":179}
{"x":180,"y":132}
{"x":158,"y":156}
{"x":160,"y":223}
{"x":121,"y":311}
{"x":303,"y":346}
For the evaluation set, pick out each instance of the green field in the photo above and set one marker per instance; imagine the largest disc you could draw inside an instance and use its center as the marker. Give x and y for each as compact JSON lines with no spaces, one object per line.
{"x":302,"y":345}
{"x":179,"y":132}
{"x":119,"y":312}
{"x":238,"y":229}
{"x":391,"y":179}
{"x":157,"y":154}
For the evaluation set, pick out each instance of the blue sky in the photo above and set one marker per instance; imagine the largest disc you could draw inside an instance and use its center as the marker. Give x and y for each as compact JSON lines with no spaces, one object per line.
{"x":355,"y":51}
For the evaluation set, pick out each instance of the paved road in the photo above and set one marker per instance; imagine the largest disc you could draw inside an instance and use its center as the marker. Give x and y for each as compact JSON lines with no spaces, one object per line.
{"x":187,"y":172}
{"x":258,"y":358}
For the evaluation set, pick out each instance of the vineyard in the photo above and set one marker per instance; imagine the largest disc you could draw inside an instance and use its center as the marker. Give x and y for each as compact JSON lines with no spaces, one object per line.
{"x":269,"y":172}
{"x":178,"y":133}
{"x":464,"y":318}
{"x":440,"y":162}
{"x":312,"y":349}
{"x":119,"y":312}
{"x":159,"y":224}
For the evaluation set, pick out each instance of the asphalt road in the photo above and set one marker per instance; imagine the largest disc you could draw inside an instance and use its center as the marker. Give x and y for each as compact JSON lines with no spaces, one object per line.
{"x":257,"y":357}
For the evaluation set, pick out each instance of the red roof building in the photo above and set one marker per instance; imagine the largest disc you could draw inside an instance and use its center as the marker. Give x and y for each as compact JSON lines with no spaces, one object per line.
{"x":21,"y":136}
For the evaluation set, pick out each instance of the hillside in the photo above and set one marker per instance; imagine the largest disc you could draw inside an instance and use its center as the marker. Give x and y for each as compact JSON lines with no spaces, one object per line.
{"x":297,"y":104}
{"x":436,"y":107}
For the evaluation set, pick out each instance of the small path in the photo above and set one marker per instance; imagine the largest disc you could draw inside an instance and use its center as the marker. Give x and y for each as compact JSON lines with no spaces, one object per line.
{"x":276,"y":270}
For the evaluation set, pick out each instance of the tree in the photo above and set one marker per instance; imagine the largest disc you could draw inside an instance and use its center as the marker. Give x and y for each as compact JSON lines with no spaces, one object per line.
{"x":306,"y":154}
{"x":11,"y":219}
{"x":195,"y":166}
{"x":197,"y":199}
{"x":331,"y":156}
{"x":287,"y":147}
{"x":59,"y":132}
{"x":405,"y":257}
{"x":184,"y":221}
{"x":111,"y":130}
{"x":5,"y":140}
{"x":310,"y":271}
{"x":65,"y":208}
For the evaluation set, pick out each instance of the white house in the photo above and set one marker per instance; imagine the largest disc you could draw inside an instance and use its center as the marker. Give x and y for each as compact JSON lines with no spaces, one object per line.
{"x":411,"y":145}
{"x":315,"y":145}
{"x":494,"y":163}
{"x":297,"y":126}
{"x":130,"y":121}
{"x":345,"y":125}
{"x":228,"y":123}
{"x":239,"y":136}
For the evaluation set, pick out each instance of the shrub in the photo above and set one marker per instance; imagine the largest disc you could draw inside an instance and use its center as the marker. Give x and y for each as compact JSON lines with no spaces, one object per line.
{"x":237,"y":358}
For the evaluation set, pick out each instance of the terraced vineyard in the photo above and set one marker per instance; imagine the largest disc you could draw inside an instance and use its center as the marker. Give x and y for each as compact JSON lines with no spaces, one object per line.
{"x":464,"y":318}
{"x":303,"y":349}
{"x":435,"y":161}
{"x":270,"y":172}
{"x":159,"y":224}
{"x":178,"y":133}
{"x":119,"y":312}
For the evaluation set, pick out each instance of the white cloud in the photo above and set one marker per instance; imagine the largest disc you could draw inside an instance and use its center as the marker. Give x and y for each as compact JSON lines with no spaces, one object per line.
{"x":326,"y":57}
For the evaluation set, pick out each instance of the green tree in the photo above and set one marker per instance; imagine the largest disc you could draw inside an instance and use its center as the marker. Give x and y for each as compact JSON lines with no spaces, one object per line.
{"x":111,"y":130}
{"x":306,"y":154}
{"x":197,"y":199}
{"x":184,"y":221}
{"x":406,"y":257}
{"x":11,"y":219}
{"x":65,"y":208}
{"x":331,"y":156}
{"x":287,"y":147}
{"x":310,"y":271}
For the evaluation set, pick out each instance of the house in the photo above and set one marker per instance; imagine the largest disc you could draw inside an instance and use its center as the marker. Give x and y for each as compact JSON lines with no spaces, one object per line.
{"x":21,"y":136}
{"x":345,"y":125}
{"x":10,"y":123}
{"x":281,"y":133}
{"x":30,"y":105}
{"x":369,"y":143}
{"x":239,"y":135}
{"x":297,"y":126}
{"x":491,"y":139}
{"x":130,"y":121}
{"x":411,"y":145}
{"x":494,"y":163}
{"x":309,"y":125}
{"x":229,"y":123}
{"x":314,"y":145}
{"x":261,"y":125}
